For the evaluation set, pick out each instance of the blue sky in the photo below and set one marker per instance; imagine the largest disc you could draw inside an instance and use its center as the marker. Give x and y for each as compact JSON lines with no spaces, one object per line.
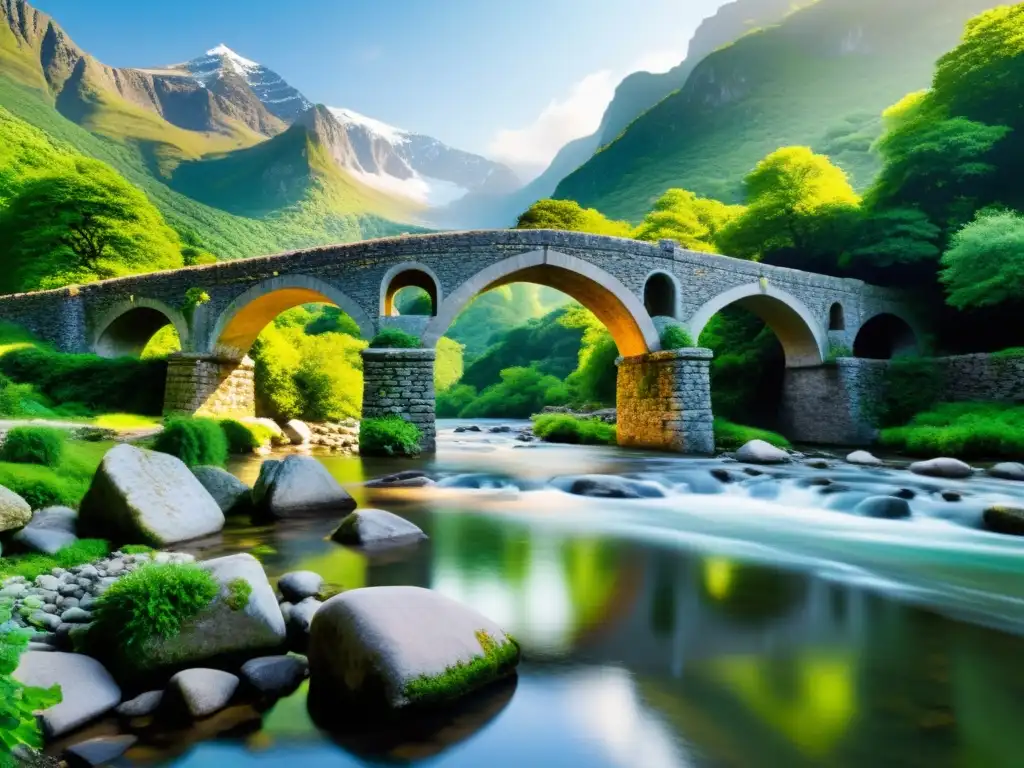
{"x":513,"y":80}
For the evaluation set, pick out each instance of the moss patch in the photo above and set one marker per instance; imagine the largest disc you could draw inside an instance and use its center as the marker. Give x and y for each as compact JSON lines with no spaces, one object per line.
{"x":239,"y":592}
{"x":136,"y":549}
{"x":80,"y":553}
{"x":464,"y":677}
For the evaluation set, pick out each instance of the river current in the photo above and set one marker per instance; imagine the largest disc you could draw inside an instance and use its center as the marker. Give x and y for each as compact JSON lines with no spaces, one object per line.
{"x":754,"y":622}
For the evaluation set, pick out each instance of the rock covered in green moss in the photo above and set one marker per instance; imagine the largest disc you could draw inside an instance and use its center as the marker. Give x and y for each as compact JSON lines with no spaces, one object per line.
{"x":398,"y":647}
{"x":376,"y":527}
{"x":15,"y":512}
{"x":140,"y":496}
{"x":1004,"y":519}
{"x":231,"y":494}
{"x":298,"y":485}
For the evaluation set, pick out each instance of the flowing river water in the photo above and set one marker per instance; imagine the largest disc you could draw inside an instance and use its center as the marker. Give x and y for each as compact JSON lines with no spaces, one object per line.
{"x":756,"y":622}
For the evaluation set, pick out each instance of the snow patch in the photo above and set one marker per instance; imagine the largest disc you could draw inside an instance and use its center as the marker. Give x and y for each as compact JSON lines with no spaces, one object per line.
{"x":424,"y":190}
{"x":226,"y":53}
{"x":389,"y":133}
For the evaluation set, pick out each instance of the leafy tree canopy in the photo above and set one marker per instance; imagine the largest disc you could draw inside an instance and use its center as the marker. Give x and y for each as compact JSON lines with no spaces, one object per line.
{"x":694,"y":222}
{"x":568,"y":215}
{"x":985,"y":263}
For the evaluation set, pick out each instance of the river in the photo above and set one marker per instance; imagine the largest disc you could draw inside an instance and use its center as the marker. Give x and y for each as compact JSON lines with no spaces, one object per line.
{"x":728,"y":624}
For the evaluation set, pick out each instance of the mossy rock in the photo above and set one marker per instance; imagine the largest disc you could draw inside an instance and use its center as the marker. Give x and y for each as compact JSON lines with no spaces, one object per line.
{"x":1004,"y":519}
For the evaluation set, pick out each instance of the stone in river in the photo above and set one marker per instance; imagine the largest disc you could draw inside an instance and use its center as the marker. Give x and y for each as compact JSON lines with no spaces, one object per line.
{"x":864,"y":459}
{"x":202,"y":691}
{"x":231,"y":494}
{"x":368,"y":527}
{"x":1004,"y":519}
{"x":87,"y":688}
{"x":953,"y":469}
{"x":298,"y":585}
{"x":103,"y":750}
{"x":142,"y":705}
{"x":1008,"y":470}
{"x":761,"y":452}
{"x":296,"y":486}
{"x":298,"y":432}
{"x":410,"y":478}
{"x":275,"y":675}
{"x":609,"y":487}
{"x":887,"y":507}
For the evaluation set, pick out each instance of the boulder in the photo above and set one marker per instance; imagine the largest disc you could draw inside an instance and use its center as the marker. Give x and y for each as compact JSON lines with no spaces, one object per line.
{"x":103,"y":750}
{"x":44,"y":540}
{"x":15,"y":512}
{"x":369,"y":527}
{"x":223,"y":627}
{"x":298,"y":432}
{"x":1004,"y":519}
{"x":277,"y":435}
{"x":87,"y":688}
{"x":142,"y":705}
{"x":864,"y":459}
{"x":609,"y":487}
{"x":275,"y":675}
{"x":1008,"y":470}
{"x":395,"y":647}
{"x":300,"y":618}
{"x":888,"y":507}
{"x":410,"y":478}
{"x":952,"y":469}
{"x":202,"y":692}
{"x":761,"y":452}
{"x":231,"y":494}
{"x":298,"y":485}
{"x":298,"y":585}
{"x":62,"y":519}
{"x":140,"y":496}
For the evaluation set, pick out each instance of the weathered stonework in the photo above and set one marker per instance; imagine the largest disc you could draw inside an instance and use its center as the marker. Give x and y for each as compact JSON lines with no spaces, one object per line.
{"x":209,"y":386}
{"x":664,"y":402}
{"x":400,"y":382}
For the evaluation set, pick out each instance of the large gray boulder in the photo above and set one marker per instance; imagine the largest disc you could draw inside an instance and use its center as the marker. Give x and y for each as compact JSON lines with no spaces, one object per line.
{"x":952,"y":469}
{"x":140,"y":496}
{"x":231,"y":494}
{"x":87,"y":688}
{"x":1008,"y":470}
{"x":394,"y":647}
{"x":201,"y":692}
{"x":376,"y":527}
{"x":761,"y":452}
{"x":15,"y":512}
{"x":243,"y":619}
{"x":296,"y":486}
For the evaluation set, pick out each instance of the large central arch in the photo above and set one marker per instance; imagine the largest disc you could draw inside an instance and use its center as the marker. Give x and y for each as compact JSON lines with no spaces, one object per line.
{"x":612,"y":303}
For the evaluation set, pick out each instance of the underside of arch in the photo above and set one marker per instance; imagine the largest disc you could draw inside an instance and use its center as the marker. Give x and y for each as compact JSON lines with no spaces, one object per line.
{"x":244,"y":319}
{"x":128,"y":327}
{"x":803,"y":339}
{"x":612,"y":303}
{"x":884,"y":337}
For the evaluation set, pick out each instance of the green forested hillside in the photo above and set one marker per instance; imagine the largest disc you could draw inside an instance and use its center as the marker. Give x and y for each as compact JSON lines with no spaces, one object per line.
{"x":820,"y":78}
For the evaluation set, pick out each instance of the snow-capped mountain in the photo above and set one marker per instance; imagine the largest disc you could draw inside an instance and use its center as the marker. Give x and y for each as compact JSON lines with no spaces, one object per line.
{"x":280,"y":98}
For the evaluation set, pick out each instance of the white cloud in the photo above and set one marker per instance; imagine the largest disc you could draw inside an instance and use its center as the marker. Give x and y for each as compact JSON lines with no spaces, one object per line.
{"x":531,"y":148}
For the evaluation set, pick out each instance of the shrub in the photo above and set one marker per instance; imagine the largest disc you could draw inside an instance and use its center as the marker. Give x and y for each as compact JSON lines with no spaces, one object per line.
{"x":64,"y":484}
{"x":676,"y":337}
{"x":730,"y":437}
{"x":910,"y":386}
{"x":244,"y":438}
{"x":564,"y":428}
{"x":34,"y":445}
{"x":965,"y":430}
{"x":393,"y":338}
{"x":390,"y":436}
{"x":197,"y":442}
{"x":155,"y":601}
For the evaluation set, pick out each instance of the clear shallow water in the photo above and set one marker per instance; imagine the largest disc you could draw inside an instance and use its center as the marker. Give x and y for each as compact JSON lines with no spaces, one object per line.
{"x":749,"y":627}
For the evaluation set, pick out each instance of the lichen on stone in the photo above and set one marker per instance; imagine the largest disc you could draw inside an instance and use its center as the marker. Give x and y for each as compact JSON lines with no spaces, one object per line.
{"x":239,"y":592}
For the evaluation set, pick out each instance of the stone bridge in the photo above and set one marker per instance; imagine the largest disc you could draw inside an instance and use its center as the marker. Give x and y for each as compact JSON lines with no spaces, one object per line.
{"x":634,"y":288}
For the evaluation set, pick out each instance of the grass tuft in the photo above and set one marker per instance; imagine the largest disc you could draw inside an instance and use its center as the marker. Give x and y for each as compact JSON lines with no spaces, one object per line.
{"x":731,"y":437}
{"x":34,"y":445}
{"x":393,"y":338}
{"x":390,"y":436}
{"x":962,"y":430}
{"x":565,"y":428}
{"x":464,"y":677}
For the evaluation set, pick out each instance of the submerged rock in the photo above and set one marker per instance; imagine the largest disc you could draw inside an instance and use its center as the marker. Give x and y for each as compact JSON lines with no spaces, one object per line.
{"x":410,"y":478}
{"x":953,"y":469}
{"x":1008,"y":470}
{"x":609,"y":487}
{"x":139,"y":496}
{"x":103,"y":750}
{"x":887,"y":507}
{"x":1004,"y":519}
{"x":864,"y":459}
{"x":231,"y":494}
{"x":87,"y":689}
{"x":15,"y":512}
{"x":761,"y":452}
{"x":368,"y":527}
{"x":296,"y":486}
{"x":396,"y":647}
{"x":202,"y":692}
{"x":143,"y":705}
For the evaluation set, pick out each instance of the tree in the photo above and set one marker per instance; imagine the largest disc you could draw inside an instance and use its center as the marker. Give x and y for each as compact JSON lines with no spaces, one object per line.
{"x":568,"y":215}
{"x":81,"y":222}
{"x":694,"y":222}
{"x":984,"y":265}
{"x":898,"y":245}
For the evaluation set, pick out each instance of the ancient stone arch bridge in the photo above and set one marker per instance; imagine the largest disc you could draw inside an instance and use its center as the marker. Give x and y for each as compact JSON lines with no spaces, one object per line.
{"x":634,"y":288}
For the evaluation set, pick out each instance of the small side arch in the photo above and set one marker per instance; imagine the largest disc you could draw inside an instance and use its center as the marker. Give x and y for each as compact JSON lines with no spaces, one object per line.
{"x":885,"y":336}
{"x":803,"y":338}
{"x":837,"y":317}
{"x":241,"y":322}
{"x":661,"y":294}
{"x":125,"y":329}
{"x":615,"y":306}
{"x":409,"y":275}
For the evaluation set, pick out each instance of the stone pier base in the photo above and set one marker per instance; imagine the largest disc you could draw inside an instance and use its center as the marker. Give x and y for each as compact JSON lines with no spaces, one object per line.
{"x":664,"y":402}
{"x":210,"y":386}
{"x":400,"y":382}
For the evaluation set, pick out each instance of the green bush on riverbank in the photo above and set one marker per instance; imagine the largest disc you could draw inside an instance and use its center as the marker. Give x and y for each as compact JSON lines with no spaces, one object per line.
{"x":30,"y":566}
{"x":962,"y":430}
{"x":730,"y":436}
{"x":390,"y":436}
{"x":573,"y":430}
{"x":64,"y":484}
{"x":34,"y":445}
{"x":197,"y":442}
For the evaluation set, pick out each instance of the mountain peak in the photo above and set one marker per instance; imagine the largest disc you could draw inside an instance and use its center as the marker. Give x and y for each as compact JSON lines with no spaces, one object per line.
{"x":221,"y":51}
{"x":380,"y":129}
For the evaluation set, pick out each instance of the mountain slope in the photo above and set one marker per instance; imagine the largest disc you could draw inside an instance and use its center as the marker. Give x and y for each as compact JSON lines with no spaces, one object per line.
{"x":822,"y":77}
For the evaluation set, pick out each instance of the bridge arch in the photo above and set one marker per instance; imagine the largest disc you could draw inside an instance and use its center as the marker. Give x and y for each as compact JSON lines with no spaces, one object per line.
{"x":803,"y":338}
{"x":885,"y":336}
{"x":612,"y":303}
{"x":241,"y":322}
{"x":409,"y":274}
{"x":662,"y":294}
{"x":125,"y":329}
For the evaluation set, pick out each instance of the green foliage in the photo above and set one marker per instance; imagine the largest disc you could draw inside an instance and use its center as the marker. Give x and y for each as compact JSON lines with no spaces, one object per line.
{"x":163,"y":343}
{"x":984,"y":265}
{"x":63,"y":485}
{"x":197,"y":442}
{"x":452,"y":402}
{"x":82,"y":552}
{"x":564,"y":428}
{"x":390,"y":436}
{"x":136,"y":549}
{"x":461,"y":678}
{"x":521,"y":393}
{"x":675,"y":337}
{"x":498,"y":311}
{"x":18,"y":703}
{"x":569,"y":216}
{"x":34,"y":445}
{"x":154,"y":601}
{"x":328,"y":319}
{"x":245,"y":438}
{"x":693,"y":222}
{"x":963,"y":430}
{"x":731,"y":437}
{"x":393,"y":338}
{"x":194,"y":297}
{"x":448,"y":366}
{"x":911,"y":386}
{"x":239,"y":592}
{"x":899,"y":245}
{"x":594,"y":382}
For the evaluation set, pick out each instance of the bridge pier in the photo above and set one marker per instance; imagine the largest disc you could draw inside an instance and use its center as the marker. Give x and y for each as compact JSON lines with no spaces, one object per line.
{"x":207,"y":385}
{"x":833,"y":404}
{"x":400,"y":382}
{"x":664,"y":402}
